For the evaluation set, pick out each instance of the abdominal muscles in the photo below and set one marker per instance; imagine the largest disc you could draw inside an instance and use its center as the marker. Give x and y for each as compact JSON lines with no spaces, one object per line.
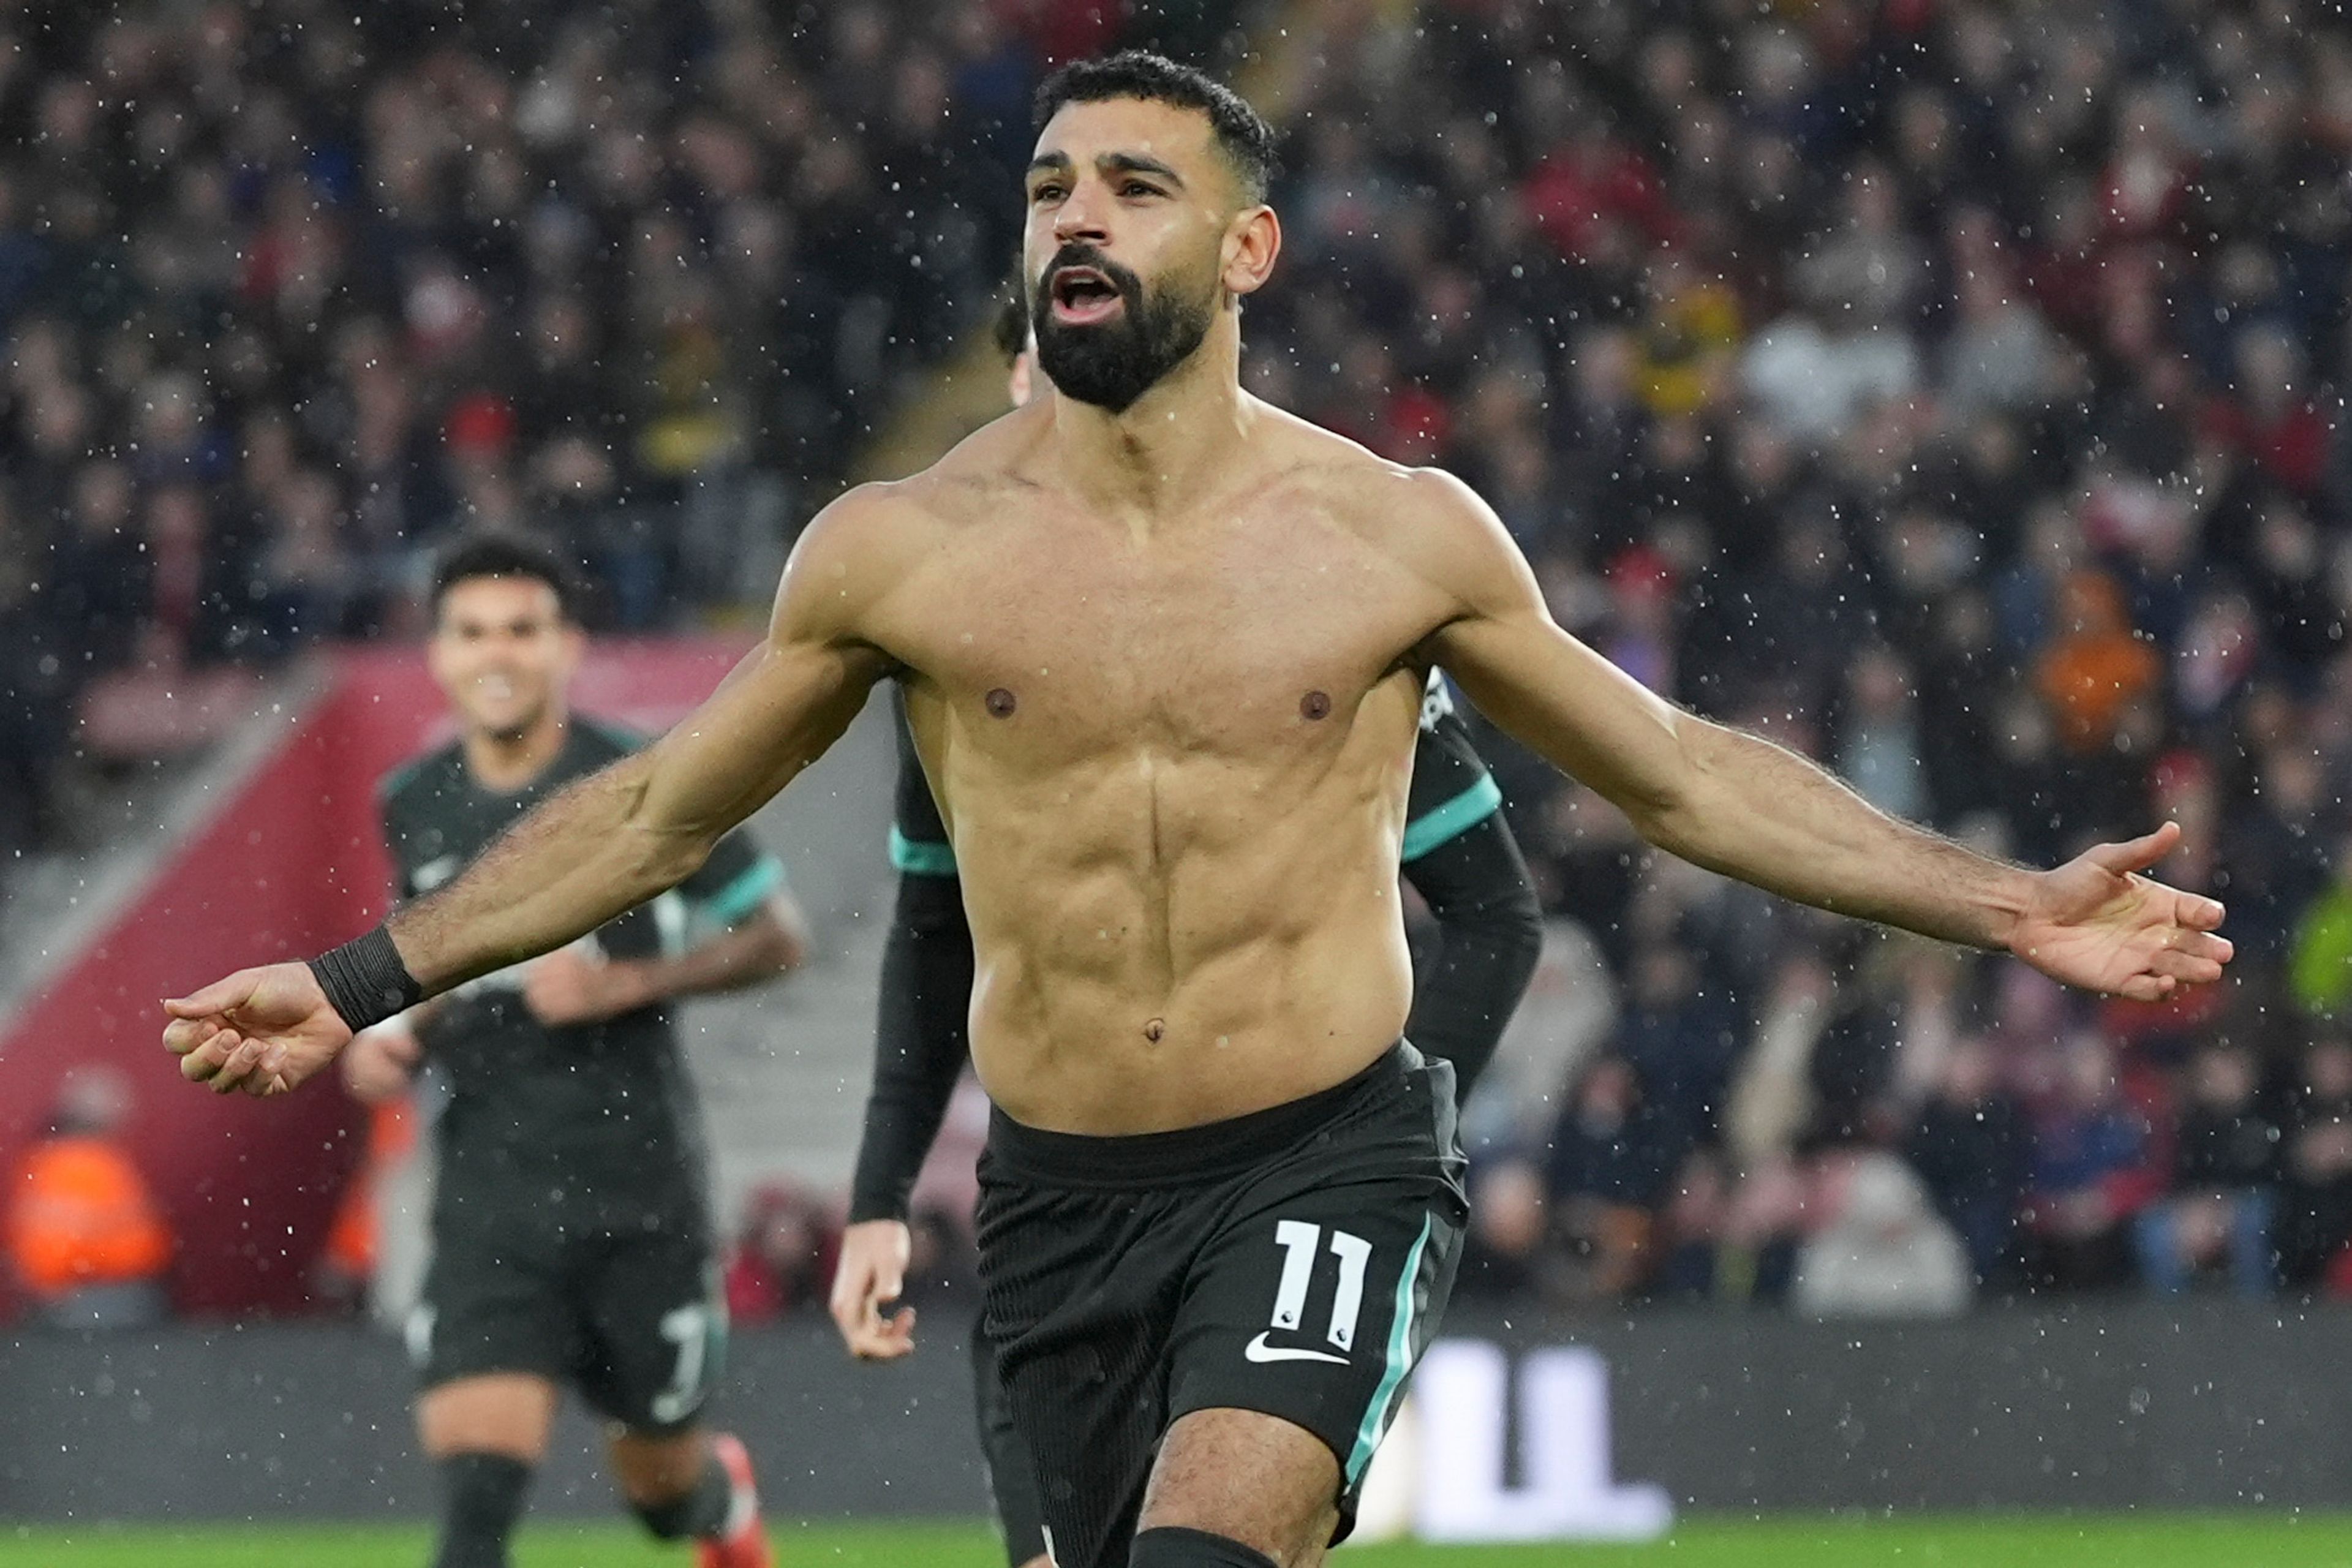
{"x":1167,"y":941}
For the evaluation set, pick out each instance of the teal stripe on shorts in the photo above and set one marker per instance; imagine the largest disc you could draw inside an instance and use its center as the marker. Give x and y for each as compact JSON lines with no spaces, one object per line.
{"x":1401,"y":1352}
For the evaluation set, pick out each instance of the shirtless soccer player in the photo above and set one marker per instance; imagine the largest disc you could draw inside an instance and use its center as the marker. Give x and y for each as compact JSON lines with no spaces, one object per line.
{"x":1164,"y":649}
{"x":571,"y":1241}
{"x":1459,"y":855}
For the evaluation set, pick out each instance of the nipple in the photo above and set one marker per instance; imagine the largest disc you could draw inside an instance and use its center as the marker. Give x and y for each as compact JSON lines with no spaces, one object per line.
{"x":1001,"y":703}
{"x":1315,"y":705}
{"x":1154,"y":1029}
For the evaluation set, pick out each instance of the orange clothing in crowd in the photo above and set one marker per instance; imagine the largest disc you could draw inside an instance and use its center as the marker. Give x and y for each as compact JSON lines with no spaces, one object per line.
{"x":353,"y":1241}
{"x":79,"y":1214}
{"x":2096,"y":667}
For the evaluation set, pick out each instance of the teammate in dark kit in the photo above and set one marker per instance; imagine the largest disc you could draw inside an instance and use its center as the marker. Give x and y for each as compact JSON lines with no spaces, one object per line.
{"x":571,"y":1238}
{"x":1458,"y":853}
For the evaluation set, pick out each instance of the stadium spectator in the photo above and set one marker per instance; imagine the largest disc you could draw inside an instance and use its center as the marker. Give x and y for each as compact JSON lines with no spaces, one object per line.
{"x":2273,"y":851}
{"x":2092,"y":1173}
{"x":1879,"y":1250}
{"x":2218,"y":1212}
{"x":1693,"y":1229}
{"x":1507,"y":1254}
{"x":1971,"y":1145}
{"x":86,"y":1240}
{"x":2315,"y":1218}
{"x":2322,"y":957}
{"x":783,"y":1256}
{"x":1678,"y":1036}
{"x":1612,"y":1159}
{"x":1756,"y":1260}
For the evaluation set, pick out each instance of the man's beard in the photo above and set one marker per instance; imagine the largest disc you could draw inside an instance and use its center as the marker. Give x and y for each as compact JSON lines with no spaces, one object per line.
{"x":1111,"y":364}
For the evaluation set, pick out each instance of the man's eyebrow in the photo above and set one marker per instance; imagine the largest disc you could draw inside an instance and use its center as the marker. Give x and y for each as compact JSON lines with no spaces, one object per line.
{"x":1109,"y":164}
{"x":1136,"y":163}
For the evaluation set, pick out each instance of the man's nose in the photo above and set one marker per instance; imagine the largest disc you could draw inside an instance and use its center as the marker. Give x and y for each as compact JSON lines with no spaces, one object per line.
{"x":1082,"y":217}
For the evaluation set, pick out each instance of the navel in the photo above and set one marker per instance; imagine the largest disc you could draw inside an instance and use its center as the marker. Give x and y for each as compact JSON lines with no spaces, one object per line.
{"x":1001,"y":703}
{"x":1315,"y":705}
{"x":1153,"y":1029}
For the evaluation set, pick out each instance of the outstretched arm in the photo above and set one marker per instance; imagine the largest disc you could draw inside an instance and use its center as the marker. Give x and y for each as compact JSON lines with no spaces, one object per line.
{"x":606,"y":844}
{"x":1743,"y":806}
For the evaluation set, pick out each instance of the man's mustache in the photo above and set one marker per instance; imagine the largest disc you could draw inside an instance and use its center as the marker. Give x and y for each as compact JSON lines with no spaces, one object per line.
{"x":1128,"y":285}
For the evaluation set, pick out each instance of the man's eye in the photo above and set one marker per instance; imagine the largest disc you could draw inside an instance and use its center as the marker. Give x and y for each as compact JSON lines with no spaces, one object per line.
{"x":1046,"y":193}
{"x":1138,"y":188}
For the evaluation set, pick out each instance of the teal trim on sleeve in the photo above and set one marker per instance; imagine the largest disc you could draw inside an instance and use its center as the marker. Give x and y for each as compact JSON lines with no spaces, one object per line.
{"x":396,"y":780}
{"x":736,"y":900}
{"x":918,"y":858}
{"x":1452,"y":819}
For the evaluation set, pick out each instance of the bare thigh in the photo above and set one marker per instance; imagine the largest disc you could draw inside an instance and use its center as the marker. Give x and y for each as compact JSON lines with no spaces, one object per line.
{"x":507,"y":1413}
{"x":1248,"y":1476}
{"x":654,"y":1469}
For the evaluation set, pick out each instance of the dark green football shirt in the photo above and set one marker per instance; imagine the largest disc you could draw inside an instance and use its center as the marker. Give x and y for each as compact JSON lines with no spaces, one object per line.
{"x":594,"y":1126}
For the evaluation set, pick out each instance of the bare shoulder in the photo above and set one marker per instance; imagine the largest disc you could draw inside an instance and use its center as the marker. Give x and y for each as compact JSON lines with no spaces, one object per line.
{"x":1429,"y":523}
{"x":849,"y":558}
{"x":870,"y":544}
{"x":858,"y":532}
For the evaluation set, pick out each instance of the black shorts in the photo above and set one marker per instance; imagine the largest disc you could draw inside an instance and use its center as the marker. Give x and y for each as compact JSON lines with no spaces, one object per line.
{"x":1011,"y":1475}
{"x":1293,"y":1261}
{"x":636,"y":1321}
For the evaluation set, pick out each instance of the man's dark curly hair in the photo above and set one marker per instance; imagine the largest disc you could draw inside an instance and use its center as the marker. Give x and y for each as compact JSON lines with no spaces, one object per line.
{"x":496,"y":555}
{"x":1243,"y":135}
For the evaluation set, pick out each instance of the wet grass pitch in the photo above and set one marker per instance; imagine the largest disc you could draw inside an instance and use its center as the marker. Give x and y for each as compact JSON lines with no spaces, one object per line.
{"x":2249,"y":1540}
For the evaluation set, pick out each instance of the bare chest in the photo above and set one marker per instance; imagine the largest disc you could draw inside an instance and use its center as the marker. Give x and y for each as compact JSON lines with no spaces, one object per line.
{"x":1227,"y":638}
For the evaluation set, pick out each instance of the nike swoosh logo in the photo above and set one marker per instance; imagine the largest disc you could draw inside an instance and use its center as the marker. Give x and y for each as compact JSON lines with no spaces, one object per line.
{"x":1258,"y":1350}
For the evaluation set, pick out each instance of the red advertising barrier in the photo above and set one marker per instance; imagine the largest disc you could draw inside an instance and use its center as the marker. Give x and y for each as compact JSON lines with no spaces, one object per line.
{"x":289,"y":863}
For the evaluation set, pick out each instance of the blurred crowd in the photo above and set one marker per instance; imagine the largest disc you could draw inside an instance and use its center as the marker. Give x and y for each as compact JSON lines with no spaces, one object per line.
{"x":1952,"y":391}
{"x":1949,"y":389}
{"x":292,"y":292}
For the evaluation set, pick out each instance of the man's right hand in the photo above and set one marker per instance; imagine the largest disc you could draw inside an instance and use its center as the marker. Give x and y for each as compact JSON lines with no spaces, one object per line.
{"x":872,"y":1272}
{"x":261,"y":1030}
{"x":380,"y":1063}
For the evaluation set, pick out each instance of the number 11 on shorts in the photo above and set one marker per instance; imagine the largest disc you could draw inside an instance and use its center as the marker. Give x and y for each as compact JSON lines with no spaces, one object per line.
{"x":1300,"y":1247}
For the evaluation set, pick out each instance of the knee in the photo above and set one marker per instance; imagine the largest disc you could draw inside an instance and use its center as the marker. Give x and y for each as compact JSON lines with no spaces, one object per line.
{"x":1173,"y":1546}
{"x":656,"y":1470}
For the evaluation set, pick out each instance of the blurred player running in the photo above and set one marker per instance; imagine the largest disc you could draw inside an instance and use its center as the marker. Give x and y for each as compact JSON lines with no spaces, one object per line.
{"x":1458,"y":855}
{"x":1164,"y":649}
{"x":572,"y":1240}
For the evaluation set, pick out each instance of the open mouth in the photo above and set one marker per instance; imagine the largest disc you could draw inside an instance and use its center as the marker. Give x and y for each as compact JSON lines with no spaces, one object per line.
{"x":1082,"y":294}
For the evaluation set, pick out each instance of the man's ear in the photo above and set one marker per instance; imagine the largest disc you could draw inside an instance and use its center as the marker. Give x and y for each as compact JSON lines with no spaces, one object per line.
{"x":1252,"y":242}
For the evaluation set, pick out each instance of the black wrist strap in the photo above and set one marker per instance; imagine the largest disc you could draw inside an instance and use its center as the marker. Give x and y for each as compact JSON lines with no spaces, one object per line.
{"x":366,"y":980}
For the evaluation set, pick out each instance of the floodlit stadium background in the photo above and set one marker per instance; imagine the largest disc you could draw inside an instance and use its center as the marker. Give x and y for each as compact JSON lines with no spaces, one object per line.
{"x":1949,"y":389}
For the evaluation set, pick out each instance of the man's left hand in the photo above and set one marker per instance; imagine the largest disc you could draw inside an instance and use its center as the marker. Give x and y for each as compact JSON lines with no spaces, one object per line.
{"x":2097,"y":923}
